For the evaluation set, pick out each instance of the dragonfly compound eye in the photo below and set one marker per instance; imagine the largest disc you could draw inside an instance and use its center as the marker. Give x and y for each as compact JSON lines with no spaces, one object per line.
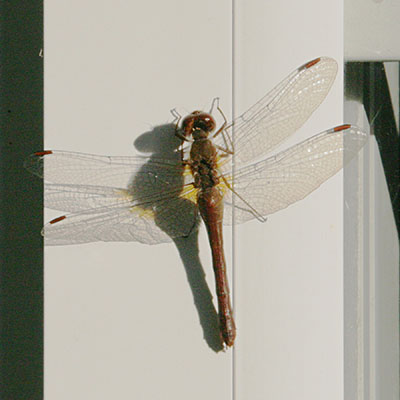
{"x":205,"y":122}
{"x":198,"y":120}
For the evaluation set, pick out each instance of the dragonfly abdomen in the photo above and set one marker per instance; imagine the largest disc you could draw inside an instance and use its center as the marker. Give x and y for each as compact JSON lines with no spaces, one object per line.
{"x":210,"y":202}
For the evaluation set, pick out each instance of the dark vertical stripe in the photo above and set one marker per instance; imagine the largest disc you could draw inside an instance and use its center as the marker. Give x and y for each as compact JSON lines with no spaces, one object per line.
{"x":367,"y":83}
{"x":21,"y":246}
{"x":380,"y":112}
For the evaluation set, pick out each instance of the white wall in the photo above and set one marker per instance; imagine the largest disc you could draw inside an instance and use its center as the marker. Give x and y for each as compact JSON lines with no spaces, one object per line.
{"x":372,"y":28}
{"x":120,"y":318}
{"x":288,"y":272}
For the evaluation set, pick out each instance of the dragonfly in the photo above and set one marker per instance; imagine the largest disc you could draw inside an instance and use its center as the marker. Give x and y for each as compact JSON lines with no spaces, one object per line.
{"x":221,"y":175}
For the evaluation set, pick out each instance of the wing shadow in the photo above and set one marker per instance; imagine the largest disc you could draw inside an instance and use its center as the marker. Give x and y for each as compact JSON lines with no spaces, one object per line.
{"x":177,"y":217}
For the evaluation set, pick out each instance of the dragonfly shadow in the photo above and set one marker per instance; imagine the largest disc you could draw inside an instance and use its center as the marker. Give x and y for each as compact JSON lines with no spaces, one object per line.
{"x":176,"y":216}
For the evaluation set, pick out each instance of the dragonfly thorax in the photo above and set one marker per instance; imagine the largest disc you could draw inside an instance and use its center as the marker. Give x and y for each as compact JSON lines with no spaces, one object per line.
{"x":198,"y":124}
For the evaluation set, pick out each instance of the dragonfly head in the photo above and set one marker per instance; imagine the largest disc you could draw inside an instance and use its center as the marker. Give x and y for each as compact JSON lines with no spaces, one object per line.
{"x":198,"y":124}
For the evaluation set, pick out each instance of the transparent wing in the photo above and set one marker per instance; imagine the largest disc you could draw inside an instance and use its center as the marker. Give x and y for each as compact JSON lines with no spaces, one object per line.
{"x":281,"y":112}
{"x":86,"y":169}
{"x":276,"y":182}
{"x":154,"y":222}
{"x":114,"y":198}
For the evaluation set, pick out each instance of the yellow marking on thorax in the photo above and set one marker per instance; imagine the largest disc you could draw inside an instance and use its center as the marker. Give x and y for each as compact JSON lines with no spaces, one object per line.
{"x":187,"y":171}
{"x":189,"y":192}
{"x":141,"y":212}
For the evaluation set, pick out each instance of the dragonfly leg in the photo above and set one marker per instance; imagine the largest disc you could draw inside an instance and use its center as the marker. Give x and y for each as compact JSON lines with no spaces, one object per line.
{"x":223,"y":155}
{"x":177,"y":120}
{"x":222,"y":113}
{"x":225,"y":123}
{"x":214,"y":103}
{"x":182,"y":137}
{"x":176,"y":115}
{"x":222,"y":131}
{"x":253,"y":210}
{"x":226,"y":151}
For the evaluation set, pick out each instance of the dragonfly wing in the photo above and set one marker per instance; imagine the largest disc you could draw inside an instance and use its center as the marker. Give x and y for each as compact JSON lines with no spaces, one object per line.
{"x":276,"y":182}
{"x":281,"y":112}
{"x":78,"y":198}
{"x":104,"y":214}
{"x":86,"y":169}
{"x":144,"y":177}
{"x":115,"y":198}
